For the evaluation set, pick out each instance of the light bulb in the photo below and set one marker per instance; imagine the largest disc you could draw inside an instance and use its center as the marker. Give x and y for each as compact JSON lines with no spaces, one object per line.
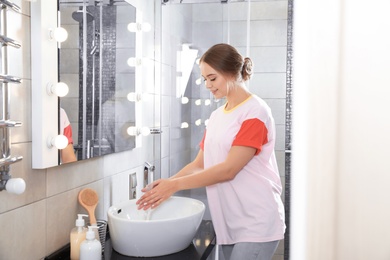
{"x":138,"y":27}
{"x":184,"y":100}
{"x":198,"y":102}
{"x":184,"y":125}
{"x":59,"y":142}
{"x":59,"y":34}
{"x":132,"y":131}
{"x":15,"y":186}
{"x":206,"y":122}
{"x":134,"y":97}
{"x":197,"y":61}
{"x":198,"y":122}
{"x":133,"y":27}
{"x":145,"y":131}
{"x":59,"y":89}
{"x":198,"y":81}
{"x":207,"y":102}
{"x":133,"y":62}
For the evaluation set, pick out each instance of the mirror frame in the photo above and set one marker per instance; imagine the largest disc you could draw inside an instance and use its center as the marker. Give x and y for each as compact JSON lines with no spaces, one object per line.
{"x":44,"y":63}
{"x":44,"y":70}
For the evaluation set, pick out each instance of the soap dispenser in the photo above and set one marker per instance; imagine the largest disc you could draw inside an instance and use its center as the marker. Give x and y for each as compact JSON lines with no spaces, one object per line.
{"x":91,"y":248}
{"x":77,"y":235}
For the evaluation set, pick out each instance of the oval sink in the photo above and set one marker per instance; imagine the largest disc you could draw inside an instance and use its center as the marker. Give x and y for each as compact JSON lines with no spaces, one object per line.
{"x":165,"y":230}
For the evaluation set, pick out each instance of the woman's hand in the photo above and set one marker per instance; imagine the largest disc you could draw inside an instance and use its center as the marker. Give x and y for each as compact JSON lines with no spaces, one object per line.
{"x":161,"y":190}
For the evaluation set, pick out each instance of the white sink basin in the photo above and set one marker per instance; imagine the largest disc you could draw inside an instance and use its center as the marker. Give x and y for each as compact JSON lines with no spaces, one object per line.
{"x":167,"y":229}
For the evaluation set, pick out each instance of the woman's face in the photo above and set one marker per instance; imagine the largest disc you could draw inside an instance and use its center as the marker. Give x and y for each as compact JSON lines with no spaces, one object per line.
{"x":214,"y":81}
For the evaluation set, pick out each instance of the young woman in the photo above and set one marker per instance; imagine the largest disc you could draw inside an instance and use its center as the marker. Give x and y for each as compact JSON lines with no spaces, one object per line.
{"x":236,"y":162}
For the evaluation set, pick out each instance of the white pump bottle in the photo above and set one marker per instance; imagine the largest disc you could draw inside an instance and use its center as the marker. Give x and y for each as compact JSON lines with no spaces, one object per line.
{"x":77,"y":235}
{"x":91,"y":248}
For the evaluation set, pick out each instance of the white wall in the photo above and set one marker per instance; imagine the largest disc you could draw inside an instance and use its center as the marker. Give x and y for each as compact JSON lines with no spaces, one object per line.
{"x":340,"y":172}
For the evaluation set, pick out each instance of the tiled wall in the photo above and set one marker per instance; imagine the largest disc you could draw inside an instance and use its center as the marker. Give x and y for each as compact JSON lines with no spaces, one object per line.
{"x":37,"y":222}
{"x":206,"y":24}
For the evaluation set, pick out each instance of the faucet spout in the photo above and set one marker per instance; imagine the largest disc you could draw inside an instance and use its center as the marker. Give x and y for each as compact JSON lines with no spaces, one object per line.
{"x":148,"y":173}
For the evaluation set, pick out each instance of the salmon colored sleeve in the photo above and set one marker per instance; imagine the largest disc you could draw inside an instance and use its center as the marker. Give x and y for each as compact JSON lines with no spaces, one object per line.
{"x":68,"y":134}
{"x":253,"y":133}
{"x":201,"y":144}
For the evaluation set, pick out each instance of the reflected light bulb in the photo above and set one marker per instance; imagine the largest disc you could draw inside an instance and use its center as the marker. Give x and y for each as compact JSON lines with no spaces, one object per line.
{"x":184,"y":125}
{"x":198,"y":81}
{"x":138,"y":27}
{"x":198,"y":102}
{"x":198,"y":122}
{"x":184,"y":100}
{"x":132,"y":131}
{"x":133,"y":62}
{"x":59,"y":34}
{"x":15,"y":186}
{"x":207,"y":102}
{"x":133,"y":27}
{"x":134,"y":97}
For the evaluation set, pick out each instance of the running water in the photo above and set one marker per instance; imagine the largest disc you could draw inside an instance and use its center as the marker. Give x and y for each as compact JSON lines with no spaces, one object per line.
{"x":149,"y":210}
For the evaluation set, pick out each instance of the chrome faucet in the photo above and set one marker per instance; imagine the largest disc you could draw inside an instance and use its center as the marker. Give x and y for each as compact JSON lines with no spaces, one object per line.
{"x":148,"y":173}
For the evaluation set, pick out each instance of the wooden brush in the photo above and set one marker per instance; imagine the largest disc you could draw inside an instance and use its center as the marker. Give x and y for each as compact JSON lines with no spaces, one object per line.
{"x":88,"y":198}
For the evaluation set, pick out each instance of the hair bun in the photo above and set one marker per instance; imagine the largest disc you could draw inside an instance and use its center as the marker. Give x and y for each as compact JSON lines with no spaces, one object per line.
{"x":247,"y":67}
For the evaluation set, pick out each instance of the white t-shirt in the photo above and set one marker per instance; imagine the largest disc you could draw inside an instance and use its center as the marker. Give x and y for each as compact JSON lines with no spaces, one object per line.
{"x":249,"y":207}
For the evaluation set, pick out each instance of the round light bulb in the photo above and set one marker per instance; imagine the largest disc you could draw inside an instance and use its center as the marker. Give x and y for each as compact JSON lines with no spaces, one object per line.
{"x":198,"y":122}
{"x":198,"y":102}
{"x":133,"y":62}
{"x":132,"y":131}
{"x":60,"y":141}
{"x":207,"y":102}
{"x":198,"y":81}
{"x":133,"y":27}
{"x":60,"y":34}
{"x":61,"y":89}
{"x":15,"y":185}
{"x":184,"y":125}
{"x":134,"y":97}
{"x":145,"y":131}
{"x":184,"y":100}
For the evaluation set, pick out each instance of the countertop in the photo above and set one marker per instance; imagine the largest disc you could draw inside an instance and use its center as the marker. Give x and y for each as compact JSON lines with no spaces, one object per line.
{"x":199,"y":249}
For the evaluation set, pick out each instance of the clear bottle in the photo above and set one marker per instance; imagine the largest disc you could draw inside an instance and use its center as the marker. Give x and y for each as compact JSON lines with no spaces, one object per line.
{"x":91,"y":248}
{"x":77,"y":235}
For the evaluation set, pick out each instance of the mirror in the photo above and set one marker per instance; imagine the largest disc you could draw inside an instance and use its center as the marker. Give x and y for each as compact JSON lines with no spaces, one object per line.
{"x":93,"y":62}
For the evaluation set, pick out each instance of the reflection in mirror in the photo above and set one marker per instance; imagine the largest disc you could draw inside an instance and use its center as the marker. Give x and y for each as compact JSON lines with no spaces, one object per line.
{"x":93,"y":62}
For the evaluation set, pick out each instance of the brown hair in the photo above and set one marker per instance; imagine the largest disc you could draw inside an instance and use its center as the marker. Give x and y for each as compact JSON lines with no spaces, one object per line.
{"x":225,"y":59}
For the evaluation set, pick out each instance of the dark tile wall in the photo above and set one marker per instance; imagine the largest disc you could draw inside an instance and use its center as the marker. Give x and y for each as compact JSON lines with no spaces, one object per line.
{"x":95,"y":97}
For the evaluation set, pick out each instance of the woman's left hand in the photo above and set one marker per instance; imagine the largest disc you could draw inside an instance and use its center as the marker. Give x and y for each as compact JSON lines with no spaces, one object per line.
{"x":161,"y":191}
